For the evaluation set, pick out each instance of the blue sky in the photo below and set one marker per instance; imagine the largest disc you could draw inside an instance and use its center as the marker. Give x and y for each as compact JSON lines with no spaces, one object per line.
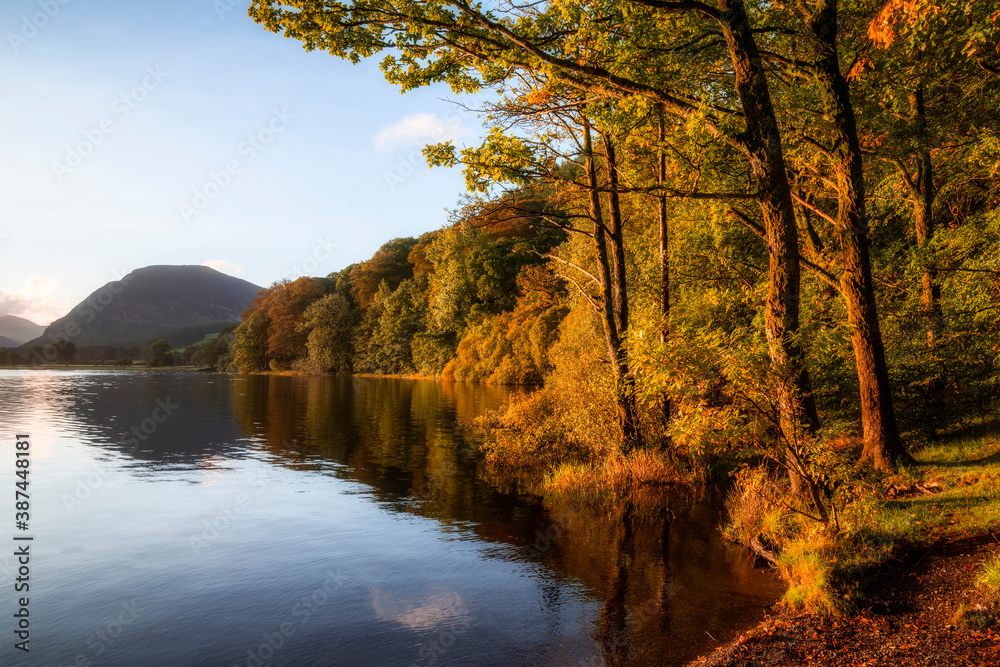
{"x":139,"y":133}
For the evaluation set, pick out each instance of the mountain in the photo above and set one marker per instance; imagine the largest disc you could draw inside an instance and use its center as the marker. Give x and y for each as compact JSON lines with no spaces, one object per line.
{"x":16,"y":330}
{"x":179,"y":303}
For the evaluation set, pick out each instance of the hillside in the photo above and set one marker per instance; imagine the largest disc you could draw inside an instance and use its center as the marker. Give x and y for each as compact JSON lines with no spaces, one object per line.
{"x":176,"y":302}
{"x":16,"y":330}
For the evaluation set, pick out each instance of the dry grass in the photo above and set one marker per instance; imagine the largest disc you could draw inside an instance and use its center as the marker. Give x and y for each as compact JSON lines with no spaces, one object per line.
{"x":808,"y":565}
{"x":759,"y":508}
{"x":617,"y":472}
{"x":539,"y":432}
{"x":988,"y":578}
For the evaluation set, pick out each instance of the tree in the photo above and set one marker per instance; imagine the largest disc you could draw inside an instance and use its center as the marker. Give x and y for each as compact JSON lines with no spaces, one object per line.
{"x":156,"y":352}
{"x":767,"y":112}
{"x":840,"y":145}
{"x":418,"y":255}
{"x":66,"y":352}
{"x":614,"y":304}
{"x":286,"y":303}
{"x":277,"y":314}
{"x":385,"y":338}
{"x":250,"y":345}
{"x":10,"y":358}
{"x":937,"y":77}
{"x":330,"y":323}
{"x":475,"y":267}
{"x":209,"y":353}
{"x":664,"y":238}
{"x":518,"y":161}
{"x":390,"y":264}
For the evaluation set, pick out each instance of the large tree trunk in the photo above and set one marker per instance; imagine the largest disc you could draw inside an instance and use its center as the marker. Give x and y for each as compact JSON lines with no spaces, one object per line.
{"x":762,"y":142}
{"x":614,"y":298}
{"x":882,"y":445}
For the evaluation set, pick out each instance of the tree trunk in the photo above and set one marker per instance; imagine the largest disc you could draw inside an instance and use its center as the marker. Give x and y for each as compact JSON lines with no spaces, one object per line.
{"x":617,"y":238}
{"x":614,"y":298}
{"x":930,"y":290}
{"x":882,"y":445}
{"x":922,"y":195}
{"x":661,"y":212}
{"x":762,"y":142}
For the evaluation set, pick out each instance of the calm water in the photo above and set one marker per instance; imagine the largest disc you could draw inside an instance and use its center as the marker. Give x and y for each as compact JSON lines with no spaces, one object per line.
{"x":332,"y":521}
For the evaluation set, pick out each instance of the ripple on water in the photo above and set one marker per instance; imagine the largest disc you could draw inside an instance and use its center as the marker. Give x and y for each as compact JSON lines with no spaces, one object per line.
{"x":351,"y":512}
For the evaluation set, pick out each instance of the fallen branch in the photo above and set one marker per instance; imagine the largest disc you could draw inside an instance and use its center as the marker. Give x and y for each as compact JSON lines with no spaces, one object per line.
{"x":758,"y":548}
{"x":929,"y":489}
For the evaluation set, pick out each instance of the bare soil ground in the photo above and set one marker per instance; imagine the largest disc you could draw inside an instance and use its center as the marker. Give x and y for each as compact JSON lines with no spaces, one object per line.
{"x":907,"y":617}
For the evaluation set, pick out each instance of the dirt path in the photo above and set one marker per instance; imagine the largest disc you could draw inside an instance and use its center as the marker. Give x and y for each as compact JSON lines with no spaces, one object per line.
{"x":909,"y":608}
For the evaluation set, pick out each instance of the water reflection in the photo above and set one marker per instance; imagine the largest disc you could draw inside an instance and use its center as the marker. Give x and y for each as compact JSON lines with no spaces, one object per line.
{"x":666,"y":582}
{"x":158,"y":419}
{"x":423,"y":615}
{"x":443,"y":553}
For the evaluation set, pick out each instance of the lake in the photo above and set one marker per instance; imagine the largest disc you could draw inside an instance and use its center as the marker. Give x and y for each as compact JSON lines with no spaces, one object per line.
{"x":208,"y":519}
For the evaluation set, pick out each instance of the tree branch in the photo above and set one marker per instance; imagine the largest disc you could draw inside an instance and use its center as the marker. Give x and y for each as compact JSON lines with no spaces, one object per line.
{"x":569,"y":264}
{"x":814,"y":209}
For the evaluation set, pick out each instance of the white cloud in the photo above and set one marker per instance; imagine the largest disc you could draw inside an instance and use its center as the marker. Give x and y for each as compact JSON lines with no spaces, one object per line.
{"x":36,"y":301}
{"x":223,"y":266}
{"x":419,"y":128}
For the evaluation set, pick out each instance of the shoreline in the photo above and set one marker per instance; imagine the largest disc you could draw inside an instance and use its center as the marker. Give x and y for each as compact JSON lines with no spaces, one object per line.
{"x":907,"y":614}
{"x":98,"y":367}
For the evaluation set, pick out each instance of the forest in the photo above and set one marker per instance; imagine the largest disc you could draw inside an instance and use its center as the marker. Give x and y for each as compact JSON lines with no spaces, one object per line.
{"x":698,"y":230}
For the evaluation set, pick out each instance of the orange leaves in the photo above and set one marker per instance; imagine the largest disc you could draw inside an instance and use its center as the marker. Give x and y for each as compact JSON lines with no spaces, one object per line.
{"x":873,"y":141}
{"x":282,"y":306}
{"x":537,"y":96}
{"x":863,"y":63}
{"x":885,"y":27}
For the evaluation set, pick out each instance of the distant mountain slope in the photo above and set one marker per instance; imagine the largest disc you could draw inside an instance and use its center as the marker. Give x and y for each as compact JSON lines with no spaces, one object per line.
{"x":15,"y":330}
{"x":153,"y":302}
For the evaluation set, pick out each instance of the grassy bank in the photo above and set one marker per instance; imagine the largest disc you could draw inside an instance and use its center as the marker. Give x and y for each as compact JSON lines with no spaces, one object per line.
{"x":912,"y":579}
{"x":954,"y":488}
{"x":952,"y":491}
{"x":823,"y":544}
